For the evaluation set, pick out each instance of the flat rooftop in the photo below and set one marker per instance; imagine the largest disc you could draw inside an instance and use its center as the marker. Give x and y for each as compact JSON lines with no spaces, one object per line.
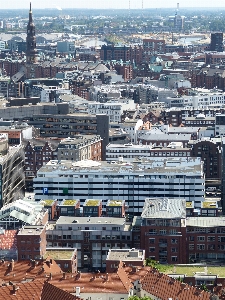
{"x":31,"y":230}
{"x":92,"y":202}
{"x":59,"y":254}
{"x":151,"y":165}
{"x":125,"y":254}
{"x":90,"y":220}
{"x":205,"y":221}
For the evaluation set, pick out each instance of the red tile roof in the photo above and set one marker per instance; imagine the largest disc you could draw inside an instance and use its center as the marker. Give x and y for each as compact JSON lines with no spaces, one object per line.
{"x":90,"y":283}
{"x":52,"y":292}
{"x":163,"y":286}
{"x":29,"y":290}
{"x":8,"y":240}
{"x":23,"y":270}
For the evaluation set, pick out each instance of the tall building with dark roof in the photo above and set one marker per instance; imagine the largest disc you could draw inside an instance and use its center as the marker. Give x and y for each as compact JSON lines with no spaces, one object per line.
{"x":31,"y":53}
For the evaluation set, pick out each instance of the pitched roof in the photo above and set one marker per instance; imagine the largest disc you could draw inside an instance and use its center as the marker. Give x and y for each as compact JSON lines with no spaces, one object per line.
{"x":23,"y":270}
{"x":52,"y":292}
{"x":29,"y":290}
{"x":164,"y":287}
{"x":90,"y":283}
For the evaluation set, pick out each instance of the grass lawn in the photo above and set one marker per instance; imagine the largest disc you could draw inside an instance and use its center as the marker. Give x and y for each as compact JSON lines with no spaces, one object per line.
{"x":189,"y":271}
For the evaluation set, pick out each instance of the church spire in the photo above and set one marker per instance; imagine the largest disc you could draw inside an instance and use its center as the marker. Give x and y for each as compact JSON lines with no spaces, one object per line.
{"x":30,"y":15}
{"x":31,"y":53}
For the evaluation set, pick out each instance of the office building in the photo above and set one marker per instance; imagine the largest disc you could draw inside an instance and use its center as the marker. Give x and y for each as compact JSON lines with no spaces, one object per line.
{"x":129,"y":181}
{"x":70,"y":125}
{"x":12,"y":175}
{"x":217,"y":42}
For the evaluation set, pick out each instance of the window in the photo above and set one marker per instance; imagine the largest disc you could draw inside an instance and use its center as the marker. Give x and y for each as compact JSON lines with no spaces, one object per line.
{"x":174,"y":241}
{"x":191,"y":246}
{"x":151,"y":241}
{"x":200,"y":238}
{"x":200,"y":247}
{"x":152,"y":249}
{"x":173,"y":258}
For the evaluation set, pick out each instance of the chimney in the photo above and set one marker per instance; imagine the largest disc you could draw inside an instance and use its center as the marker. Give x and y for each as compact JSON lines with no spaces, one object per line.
{"x":15,"y":288}
{"x":50,"y":276}
{"x":78,"y":276}
{"x":134,"y":269}
{"x":64,"y":275}
{"x":32,"y":262}
{"x":50,"y":261}
{"x":107,"y":277}
{"x":12,"y":265}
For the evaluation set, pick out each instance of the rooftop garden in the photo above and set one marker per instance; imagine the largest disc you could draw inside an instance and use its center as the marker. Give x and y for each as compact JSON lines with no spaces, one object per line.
{"x":92,"y":202}
{"x":189,"y":204}
{"x":115,"y":203}
{"x":69,"y":202}
{"x":207,"y":204}
{"x":48,"y":202}
{"x":187,"y":270}
{"x":59,"y":254}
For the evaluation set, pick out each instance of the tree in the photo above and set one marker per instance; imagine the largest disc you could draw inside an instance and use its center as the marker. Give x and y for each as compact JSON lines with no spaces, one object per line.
{"x":139,"y":298}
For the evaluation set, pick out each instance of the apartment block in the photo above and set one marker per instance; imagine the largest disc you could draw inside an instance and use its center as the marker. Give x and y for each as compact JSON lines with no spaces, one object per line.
{"x":92,"y":236}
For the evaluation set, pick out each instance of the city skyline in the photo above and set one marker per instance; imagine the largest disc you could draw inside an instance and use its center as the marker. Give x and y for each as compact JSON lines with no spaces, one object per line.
{"x":116,"y":4}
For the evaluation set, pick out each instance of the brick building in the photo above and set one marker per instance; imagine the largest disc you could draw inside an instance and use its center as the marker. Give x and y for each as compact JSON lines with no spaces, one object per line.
{"x":80,"y":147}
{"x":70,"y":125}
{"x":152,"y":47}
{"x":37,"y":153}
{"x":162,"y":230}
{"x":31,"y":242}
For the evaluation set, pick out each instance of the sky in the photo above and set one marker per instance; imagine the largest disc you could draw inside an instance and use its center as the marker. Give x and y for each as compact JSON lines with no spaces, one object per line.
{"x":109,"y":3}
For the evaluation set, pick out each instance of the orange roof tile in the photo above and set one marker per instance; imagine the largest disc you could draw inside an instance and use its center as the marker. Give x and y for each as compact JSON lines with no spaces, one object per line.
{"x":29,"y":290}
{"x":52,"y":292}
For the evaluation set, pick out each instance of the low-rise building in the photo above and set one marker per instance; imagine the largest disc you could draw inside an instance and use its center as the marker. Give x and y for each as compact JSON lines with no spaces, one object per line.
{"x":130,"y":257}
{"x":31,"y":242}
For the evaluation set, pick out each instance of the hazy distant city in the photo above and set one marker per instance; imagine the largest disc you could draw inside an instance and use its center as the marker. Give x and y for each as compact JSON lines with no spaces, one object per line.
{"x":112,"y":164}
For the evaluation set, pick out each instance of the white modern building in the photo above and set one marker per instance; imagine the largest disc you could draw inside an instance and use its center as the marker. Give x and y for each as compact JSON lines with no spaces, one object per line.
{"x":220,"y":125}
{"x":202,"y":99}
{"x":114,"y":109}
{"x":129,"y":181}
{"x":128,"y":152}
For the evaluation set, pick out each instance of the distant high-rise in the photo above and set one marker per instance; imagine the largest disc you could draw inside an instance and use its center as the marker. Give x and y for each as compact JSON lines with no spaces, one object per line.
{"x":216,"y":42}
{"x":31,"y":53}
